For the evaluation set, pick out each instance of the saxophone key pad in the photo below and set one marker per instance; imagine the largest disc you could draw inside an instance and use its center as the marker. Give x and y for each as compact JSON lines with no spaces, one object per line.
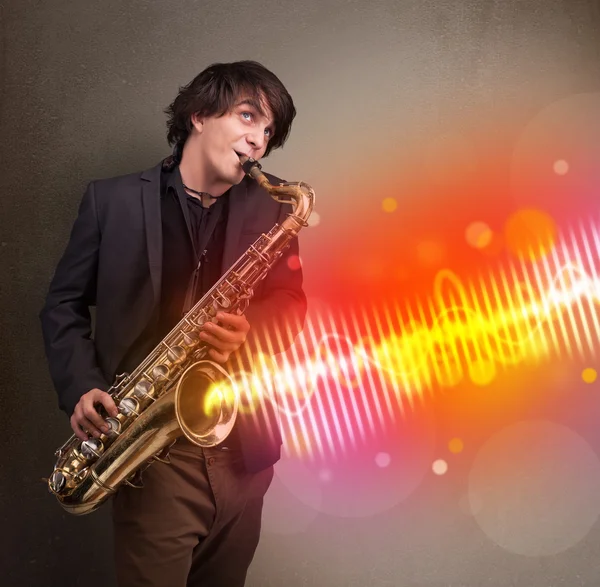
{"x":142,"y":388}
{"x":160,"y":372}
{"x":190,"y":339}
{"x":200,"y":320}
{"x":57,"y":481}
{"x":114,"y":426}
{"x":128,"y":407}
{"x":177,"y":354}
{"x":224,"y":303}
{"x":92,"y":449}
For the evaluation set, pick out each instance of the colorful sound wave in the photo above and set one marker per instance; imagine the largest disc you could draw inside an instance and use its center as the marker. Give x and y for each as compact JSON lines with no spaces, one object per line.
{"x":348,"y":377}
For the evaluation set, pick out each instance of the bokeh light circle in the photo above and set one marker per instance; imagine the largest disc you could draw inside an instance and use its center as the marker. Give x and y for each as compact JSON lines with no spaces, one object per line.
{"x":478,"y":235}
{"x":530,"y":234}
{"x":314,"y":219}
{"x":389,"y":205}
{"x":366,"y":479}
{"x":284,"y":513}
{"x":538,"y":487}
{"x":561,"y":167}
{"x":382,"y":459}
{"x":294,"y":263}
{"x":455,"y":445}
{"x":440,"y":467}
{"x":589,"y":375}
{"x":482,"y":371}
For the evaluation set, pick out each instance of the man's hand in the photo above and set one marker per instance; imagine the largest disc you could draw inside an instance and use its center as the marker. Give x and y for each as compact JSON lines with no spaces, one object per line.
{"x":86,"y":420}
{"x":225,"y":339}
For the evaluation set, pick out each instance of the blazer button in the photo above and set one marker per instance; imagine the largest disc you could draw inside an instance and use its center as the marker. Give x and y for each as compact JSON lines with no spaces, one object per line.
{"x":211,"y":460}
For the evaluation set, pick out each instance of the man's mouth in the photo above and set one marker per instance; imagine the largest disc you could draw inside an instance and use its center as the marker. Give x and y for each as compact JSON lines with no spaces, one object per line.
{"x":242,"y":157}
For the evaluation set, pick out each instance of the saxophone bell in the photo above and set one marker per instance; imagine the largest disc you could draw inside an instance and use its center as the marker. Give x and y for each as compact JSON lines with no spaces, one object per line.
{"x":205,"y":405}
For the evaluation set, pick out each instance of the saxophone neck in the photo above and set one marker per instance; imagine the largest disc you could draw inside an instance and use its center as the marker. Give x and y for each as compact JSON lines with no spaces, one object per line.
{"x":299,"y":194}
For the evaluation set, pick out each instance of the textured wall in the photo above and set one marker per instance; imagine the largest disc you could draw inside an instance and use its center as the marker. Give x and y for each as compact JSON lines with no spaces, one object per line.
{"x":82,"y":88}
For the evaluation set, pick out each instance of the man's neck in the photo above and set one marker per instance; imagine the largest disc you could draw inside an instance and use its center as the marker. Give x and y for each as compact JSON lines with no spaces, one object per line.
{"x":205,"y":198}
{"x":194,"y":178}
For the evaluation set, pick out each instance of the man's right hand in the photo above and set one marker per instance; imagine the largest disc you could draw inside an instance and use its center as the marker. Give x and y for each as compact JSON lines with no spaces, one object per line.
{"x":86,"y":421}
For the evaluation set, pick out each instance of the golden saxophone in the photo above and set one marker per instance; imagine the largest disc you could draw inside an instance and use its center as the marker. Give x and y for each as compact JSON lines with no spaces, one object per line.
{"x":163,"y":398}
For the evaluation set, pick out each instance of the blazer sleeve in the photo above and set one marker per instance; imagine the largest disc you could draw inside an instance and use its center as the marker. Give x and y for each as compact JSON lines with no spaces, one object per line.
{"x":278,"y":315}
{"x":65,"y":317}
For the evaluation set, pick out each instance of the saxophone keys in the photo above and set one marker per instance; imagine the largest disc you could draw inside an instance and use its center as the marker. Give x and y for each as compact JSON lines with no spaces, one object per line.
{"x":57,"y":482}
{"x":225,"y":302}
{"x":114,"y":427}
{"x":143,"y":388}
{"x":121,"y":377}
{"x":135,"y":480}
{"x":163,"y":456}
{"x":160,"y":373}
{"x":177,"y":354}
{"x":201,"y":318}
{"x":129,"y":407}
{"x":190,"y":339}
{"x":166,"y":460}
{"x":92,"y":449}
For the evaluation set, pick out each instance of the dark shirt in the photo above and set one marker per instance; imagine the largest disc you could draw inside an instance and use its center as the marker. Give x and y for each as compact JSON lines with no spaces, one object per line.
{"x":184,"y":231}
{"x":187,"y":246}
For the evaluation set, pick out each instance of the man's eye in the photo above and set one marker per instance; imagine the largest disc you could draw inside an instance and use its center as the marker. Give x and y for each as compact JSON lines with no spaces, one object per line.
{"x":268,"y":132}
{"x":249,"y":114}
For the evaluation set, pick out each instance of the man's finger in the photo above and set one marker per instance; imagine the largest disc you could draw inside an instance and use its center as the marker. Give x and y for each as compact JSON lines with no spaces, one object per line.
{"x":91,"y":414}
{"x":89,"y":426}
{"x":109,"y":404}
{"x":221,"y":343}
{"x":222,"y":333}
{"x":217,"y":356}
{"x":77,"y":429}
{"x":235,"y":321}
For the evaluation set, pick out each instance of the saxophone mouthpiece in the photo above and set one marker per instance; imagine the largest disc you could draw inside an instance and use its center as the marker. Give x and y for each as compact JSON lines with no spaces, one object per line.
{"x":248,"y":163}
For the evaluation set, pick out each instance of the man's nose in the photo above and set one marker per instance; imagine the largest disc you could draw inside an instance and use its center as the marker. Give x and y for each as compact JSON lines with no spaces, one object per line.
{"x":257,"y":139}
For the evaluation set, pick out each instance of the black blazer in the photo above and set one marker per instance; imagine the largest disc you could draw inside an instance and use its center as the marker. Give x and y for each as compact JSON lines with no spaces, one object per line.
{"x":113,"y":261}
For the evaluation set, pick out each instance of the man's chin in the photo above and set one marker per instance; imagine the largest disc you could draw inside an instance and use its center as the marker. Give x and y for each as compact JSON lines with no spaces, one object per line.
{"x":238,"y":177}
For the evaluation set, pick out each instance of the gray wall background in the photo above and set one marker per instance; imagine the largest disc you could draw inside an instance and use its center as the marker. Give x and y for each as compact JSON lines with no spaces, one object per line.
{"x":82,"y":88}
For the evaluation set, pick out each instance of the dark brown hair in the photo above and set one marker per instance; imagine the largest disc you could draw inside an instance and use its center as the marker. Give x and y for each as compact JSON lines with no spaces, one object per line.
{"x":214,"y":92}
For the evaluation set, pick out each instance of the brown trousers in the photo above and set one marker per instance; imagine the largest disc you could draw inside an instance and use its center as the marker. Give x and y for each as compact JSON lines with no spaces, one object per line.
{"x":195,"y":523}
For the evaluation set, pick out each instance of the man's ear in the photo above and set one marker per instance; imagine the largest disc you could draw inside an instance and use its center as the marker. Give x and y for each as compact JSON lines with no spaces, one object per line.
{"x":197,"y":121}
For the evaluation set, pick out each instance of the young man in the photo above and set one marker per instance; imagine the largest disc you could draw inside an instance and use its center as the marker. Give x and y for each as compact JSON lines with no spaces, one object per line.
{"x":143,"y":249}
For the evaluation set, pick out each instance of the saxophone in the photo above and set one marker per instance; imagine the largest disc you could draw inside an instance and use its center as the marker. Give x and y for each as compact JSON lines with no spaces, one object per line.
{"x":165,"y":396}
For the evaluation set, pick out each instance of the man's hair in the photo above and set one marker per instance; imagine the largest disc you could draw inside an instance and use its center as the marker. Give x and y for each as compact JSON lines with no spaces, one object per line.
{"x":214,"y":92}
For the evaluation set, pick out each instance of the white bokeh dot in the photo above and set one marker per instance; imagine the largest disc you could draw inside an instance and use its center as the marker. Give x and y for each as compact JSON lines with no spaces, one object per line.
{"x":440,"y":467}
{"x":383,"y":459}
{"x":561,"y":167}
{"x":314,"y":219}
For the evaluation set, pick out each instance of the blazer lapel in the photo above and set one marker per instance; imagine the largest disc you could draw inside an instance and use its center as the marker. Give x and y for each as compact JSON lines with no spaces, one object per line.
{"x":238,"y":200}
{"x":152,"y":218}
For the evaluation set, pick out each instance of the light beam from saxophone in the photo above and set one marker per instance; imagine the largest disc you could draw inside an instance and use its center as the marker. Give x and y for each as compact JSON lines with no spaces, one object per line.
{"x":365,"y":370}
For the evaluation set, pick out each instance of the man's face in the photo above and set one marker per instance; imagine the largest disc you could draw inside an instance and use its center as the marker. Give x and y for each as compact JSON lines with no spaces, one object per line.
{"x":243,"y":130}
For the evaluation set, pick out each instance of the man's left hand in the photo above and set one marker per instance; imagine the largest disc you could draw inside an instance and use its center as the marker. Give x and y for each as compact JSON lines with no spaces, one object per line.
{"x":227,"y":337}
